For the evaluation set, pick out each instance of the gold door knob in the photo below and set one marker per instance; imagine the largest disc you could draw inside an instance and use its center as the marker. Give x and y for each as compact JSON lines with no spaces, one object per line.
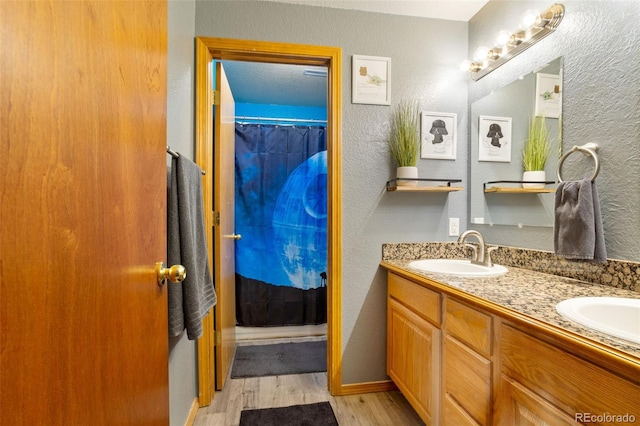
{"x":234,"y":236}
{"x":175,"y":273}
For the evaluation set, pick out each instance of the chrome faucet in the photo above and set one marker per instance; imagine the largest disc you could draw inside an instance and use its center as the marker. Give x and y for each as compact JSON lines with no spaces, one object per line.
{"x":481,"y":254}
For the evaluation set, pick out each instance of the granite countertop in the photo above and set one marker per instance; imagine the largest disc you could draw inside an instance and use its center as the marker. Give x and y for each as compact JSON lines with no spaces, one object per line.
{"x":535,"y":295}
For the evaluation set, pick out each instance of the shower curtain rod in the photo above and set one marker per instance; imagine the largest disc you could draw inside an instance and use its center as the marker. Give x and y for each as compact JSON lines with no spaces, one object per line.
{"x":176,"y":155}
{"x":287,"y":120}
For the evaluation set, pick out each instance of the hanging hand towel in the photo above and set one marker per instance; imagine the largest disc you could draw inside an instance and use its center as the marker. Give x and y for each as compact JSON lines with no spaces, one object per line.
{"x":190,"y":300}
{"x":578,"y":233}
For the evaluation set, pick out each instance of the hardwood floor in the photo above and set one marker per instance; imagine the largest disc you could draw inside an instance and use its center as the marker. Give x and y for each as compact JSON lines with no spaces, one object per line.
{"x":382,"y":408}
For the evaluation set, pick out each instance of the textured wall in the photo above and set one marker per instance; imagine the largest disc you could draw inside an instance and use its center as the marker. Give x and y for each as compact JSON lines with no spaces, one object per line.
{"x":182,"y":352}
{"x":600,"y":44}
{"x":425,"y":55}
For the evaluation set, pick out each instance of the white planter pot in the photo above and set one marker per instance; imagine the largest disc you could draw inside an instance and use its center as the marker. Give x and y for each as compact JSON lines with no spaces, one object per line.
{"x":538,"y":176}
{"x":407,"y":172}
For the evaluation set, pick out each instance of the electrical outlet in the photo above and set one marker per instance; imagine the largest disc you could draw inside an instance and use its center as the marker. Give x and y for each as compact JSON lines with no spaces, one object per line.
{"x":454,"y":226}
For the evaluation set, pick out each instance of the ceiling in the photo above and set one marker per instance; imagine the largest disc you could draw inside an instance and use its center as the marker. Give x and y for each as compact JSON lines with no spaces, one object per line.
{"x":262,"y":83}
{"x":279,"y":84}
{"x":455,"y":10}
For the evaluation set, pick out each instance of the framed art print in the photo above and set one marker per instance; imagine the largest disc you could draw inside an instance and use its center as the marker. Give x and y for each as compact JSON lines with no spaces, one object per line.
{"x":494,"y":139}
{"x":438,"y":135}
{"x":371,"y":80}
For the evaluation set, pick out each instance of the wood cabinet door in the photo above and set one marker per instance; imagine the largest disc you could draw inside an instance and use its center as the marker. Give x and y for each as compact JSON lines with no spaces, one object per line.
{"x":413,"y":348}
{"x":519,"y":406}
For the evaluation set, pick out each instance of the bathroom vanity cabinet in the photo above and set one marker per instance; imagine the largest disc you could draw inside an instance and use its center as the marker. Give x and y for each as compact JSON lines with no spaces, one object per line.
{"x":461,"y":361}
{"x":413,"y":345}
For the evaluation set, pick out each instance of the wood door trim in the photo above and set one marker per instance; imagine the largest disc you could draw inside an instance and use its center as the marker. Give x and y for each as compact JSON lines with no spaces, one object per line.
{"x":204,"y":158}
{"x":207,"y":49}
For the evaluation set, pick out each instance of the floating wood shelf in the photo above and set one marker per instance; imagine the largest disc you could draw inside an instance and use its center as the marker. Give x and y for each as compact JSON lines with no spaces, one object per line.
{"x":506,"y":190}
{"x":425,"y":188}
{"x":392,"y":185}
{"x":517,"y":190}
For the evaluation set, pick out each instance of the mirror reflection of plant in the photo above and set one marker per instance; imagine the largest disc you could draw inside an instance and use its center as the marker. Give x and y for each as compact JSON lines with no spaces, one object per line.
{"x":404,"y":140}
{"x":537,"y":146}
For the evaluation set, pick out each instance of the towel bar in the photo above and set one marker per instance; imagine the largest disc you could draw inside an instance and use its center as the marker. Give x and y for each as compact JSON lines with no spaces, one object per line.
{"x":586,"y":149}
{"x":176,"y":155}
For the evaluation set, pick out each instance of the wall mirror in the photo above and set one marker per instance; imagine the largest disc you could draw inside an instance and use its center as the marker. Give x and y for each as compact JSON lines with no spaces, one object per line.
{"x":499,"y":128}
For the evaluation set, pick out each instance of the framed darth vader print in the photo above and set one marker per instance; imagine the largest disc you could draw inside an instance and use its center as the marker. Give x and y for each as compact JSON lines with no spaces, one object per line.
{"x":494,"y":139}
{"x":438,"y":135}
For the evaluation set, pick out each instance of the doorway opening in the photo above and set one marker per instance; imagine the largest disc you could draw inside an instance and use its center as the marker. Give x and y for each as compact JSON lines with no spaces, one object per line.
{"x":207,"y":50}
{"x":280,"y":199}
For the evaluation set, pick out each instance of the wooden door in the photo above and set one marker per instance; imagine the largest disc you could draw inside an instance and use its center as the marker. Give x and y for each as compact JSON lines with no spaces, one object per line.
{"x":83,"y":213}
{"x":224,"y":233}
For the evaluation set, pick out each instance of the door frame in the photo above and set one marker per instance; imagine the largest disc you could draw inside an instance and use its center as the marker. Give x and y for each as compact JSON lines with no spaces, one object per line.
{"x":209,"y":49}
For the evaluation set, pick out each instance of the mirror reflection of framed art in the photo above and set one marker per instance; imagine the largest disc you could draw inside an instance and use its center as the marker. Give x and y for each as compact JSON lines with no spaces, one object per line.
{"x":548,"y":95}
{"x":494,"y":139}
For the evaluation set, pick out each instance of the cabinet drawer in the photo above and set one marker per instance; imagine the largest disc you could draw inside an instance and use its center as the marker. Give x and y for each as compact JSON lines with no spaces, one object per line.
{"x":454,"y":415}
{"x":419,"y":299}
{"x":571,"y":383}
{"x":468,"y":325}
{"x":467,"y":380}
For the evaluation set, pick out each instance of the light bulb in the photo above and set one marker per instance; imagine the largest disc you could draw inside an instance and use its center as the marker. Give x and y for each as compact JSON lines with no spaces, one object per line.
{"x":529,"y":19}
{"x":481,"y":53}
{"x":502,"y":38}
{"x":464,"y":66}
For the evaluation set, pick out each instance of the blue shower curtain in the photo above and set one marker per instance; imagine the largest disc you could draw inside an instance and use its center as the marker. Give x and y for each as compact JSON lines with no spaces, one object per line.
{"x":281,"y":212}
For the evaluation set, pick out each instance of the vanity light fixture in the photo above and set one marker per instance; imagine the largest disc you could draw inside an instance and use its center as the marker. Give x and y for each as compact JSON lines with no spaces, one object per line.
{"x":534,"y":27}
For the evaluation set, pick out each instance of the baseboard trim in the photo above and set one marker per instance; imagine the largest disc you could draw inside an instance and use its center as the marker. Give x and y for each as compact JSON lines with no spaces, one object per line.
{"x":368,"y":387}
{"x":192,"y":413}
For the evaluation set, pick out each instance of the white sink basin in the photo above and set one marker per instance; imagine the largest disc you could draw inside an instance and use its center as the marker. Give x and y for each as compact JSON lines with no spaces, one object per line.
{"x":457,"y":267}
{"x":616,"y":316}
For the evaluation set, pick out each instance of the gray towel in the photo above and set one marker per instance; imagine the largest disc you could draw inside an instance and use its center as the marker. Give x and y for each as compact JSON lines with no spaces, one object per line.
{"x":578,"y":230}
{"x":190,"y":300}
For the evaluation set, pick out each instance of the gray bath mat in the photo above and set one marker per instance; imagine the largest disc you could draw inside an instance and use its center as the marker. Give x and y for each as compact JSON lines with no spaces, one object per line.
{"x":279,"y":359}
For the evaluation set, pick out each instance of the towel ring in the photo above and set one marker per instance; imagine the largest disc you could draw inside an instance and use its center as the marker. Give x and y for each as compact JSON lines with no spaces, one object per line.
{"x":586,"y":149}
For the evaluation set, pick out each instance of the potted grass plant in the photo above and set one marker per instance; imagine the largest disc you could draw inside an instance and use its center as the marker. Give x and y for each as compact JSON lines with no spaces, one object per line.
{"x":404,"y":141}
{"x":535,"y":153}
